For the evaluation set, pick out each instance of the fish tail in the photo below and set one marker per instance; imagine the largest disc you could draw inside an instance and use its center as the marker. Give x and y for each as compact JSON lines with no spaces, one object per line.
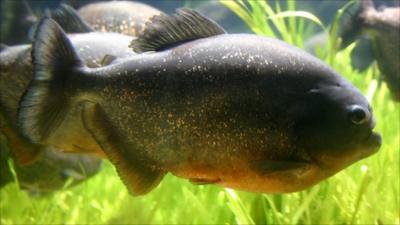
{"x":48,"y":97}
{"x":69,"y":19}
{"x":15,"y":20}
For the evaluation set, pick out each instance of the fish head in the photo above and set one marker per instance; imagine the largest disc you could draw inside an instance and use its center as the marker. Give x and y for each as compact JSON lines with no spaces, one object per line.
{"x":336,"y":125}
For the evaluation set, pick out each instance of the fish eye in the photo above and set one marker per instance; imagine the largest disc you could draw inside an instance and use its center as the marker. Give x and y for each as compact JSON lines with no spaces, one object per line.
{"x":358,"y":114}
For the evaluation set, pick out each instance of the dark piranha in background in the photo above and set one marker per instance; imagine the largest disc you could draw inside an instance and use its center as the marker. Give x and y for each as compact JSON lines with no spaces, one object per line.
{"x":241,"y":111}
{"x":381,"y":29}
{"x":125,"y":17}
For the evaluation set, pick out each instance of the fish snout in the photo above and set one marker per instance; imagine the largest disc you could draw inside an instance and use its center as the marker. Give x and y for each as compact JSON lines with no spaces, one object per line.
{"x":373,"y":143}
{"x":359,"y":115}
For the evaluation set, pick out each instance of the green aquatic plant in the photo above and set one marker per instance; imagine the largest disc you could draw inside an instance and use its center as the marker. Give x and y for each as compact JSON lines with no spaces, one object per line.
{"x":365,"y":193}
{"x":264,"y":20}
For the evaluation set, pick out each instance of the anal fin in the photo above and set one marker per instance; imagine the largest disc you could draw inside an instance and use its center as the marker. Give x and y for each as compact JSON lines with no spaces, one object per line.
{"x":138,"y":177}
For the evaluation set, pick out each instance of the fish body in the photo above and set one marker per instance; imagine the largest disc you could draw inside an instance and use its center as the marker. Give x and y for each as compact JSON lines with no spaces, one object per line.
{"x":200,"y":116}
{"x":242,"y":111}
{"x":383,"y":29}
{"x":124,"y":17}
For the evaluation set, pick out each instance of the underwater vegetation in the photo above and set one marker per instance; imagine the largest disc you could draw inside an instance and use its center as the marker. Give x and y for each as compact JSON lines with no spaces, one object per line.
{"x":365,"y":193}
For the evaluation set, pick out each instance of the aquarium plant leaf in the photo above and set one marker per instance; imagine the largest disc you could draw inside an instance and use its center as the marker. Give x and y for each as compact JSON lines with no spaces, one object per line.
{"x":302,"y":14}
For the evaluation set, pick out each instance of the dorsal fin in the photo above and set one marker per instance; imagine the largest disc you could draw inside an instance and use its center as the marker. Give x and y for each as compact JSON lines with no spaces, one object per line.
{"x":69,"y":19}
{"x":163,"y":31}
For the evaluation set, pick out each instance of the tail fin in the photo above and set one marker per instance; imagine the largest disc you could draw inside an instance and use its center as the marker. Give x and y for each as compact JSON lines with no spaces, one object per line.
{"x":351,"y":22}
{"x":45,"y":103}
{"x":69,"y":19}
{"x":16,"y":18}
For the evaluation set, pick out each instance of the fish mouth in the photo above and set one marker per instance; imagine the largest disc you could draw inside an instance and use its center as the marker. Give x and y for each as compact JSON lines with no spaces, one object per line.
{"x":373,"y":140}
{"x":372,"y":143}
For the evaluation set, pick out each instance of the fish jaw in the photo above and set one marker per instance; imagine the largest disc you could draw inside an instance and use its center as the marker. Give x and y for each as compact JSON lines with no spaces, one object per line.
{"x":277,"y":182}
{"x":333,"y":162}
{"x":371,"y":144}
{"x":301,"y":178}
{"x":241,"y":174}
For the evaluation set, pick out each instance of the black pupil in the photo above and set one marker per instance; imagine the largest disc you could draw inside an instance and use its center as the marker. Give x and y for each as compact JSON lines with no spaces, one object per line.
{"x":358,"y":115}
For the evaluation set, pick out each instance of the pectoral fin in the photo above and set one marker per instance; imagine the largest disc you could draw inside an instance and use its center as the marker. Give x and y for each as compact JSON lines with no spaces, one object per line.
{"x":107,"y":60}
{"x":204,"y":181}
{"x":270,"y":166}
{"x":139,"y":177}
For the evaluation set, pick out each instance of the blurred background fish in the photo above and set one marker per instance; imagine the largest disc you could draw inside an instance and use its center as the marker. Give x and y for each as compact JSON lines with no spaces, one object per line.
{"x":51,"y":172}
{"x":377,"y":33}
{"x":123,"y":17}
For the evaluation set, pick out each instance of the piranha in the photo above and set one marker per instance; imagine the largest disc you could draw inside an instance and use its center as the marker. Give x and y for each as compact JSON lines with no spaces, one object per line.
{"x":238,"y":110}
{"x":50,"y":172}
{"x":382,"y":29}
{"x":125,"y":17}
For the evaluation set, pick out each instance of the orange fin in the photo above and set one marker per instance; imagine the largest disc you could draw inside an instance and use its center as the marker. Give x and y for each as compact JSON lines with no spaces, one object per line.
{"x":139,"y":177}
